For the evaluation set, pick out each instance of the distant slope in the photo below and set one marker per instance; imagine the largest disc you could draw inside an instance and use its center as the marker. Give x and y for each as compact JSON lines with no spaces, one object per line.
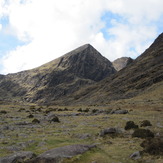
{"x":58,"y":78}
{"x":135,"y":79}
{"x":122,"y":62}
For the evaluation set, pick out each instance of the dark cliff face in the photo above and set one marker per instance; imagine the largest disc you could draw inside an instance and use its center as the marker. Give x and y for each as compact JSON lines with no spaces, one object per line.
{"x":76,"y":69}
{"x":90,"y":64}
{"x":121,"y":63}
{"x":136,"y":78}
{"x":61,"y":77}
{"x":86,"y":63}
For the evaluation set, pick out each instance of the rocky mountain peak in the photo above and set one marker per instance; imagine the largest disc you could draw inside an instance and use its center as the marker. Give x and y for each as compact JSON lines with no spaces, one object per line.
{"x":60,"y":77}
{"x":86,"y":62}
{"x":122,"y":62}
{"x":143,"y":75}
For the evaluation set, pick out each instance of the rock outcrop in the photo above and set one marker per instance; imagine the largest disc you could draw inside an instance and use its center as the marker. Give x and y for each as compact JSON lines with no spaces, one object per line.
{"x":57,"y":155}
{"x":122,"y":62}
{"x":18,"y":157}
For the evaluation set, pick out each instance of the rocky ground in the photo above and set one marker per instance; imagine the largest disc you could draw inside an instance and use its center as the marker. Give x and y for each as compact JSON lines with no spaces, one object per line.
{"x":96,"y":134}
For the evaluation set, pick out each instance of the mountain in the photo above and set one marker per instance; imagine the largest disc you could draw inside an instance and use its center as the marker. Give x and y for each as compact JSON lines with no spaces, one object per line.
{"x":143,"y":77}
{"x":84,"y":76}
{"x":58,"y":78}
{"x":122,"y":62}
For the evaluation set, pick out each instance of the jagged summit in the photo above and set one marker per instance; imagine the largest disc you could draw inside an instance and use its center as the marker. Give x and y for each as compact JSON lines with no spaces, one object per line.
{"x":84,"y":61}
{"x":60,"y":77}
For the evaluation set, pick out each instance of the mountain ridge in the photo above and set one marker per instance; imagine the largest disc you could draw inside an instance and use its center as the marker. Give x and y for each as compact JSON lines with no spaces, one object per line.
{"x":131,"y":81}
{"x":122,"y":62}
{"x":84,"y":76}
{"x":80,"y":67}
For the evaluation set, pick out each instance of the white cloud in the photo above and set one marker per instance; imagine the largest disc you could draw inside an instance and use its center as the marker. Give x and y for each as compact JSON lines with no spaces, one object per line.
{"x":51,"y":28}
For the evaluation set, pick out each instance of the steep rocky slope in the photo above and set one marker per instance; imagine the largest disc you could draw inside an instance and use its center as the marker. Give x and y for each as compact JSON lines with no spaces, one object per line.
{"x":84,"y":76}
{"x":58,"y":78}
{"x":122,"y":62}
{"x":136,"y":79}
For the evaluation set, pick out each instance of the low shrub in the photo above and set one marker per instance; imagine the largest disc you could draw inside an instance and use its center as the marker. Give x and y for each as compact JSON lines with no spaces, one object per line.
{"x":153,"y":146}
{"x":143,"y":133}
{"x":145,"y":123}
{"x":130,"y":125}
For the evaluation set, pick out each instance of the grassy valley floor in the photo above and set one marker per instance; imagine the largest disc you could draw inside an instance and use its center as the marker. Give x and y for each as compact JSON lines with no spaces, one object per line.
{"x":34,"y":128}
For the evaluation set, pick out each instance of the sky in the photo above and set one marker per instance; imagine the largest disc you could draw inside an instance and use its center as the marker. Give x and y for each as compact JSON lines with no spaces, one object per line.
{"x":34,"y":32}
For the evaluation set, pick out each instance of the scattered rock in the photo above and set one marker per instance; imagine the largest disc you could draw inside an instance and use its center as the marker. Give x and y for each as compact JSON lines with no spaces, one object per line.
{"x":86,"y":110}
{"x":22,"y":123}
{"x":13,"y":148}
{"x":95,"y":110}
{"x":52,"y":118}
{"x":3,"y":112}
{"x":130,"y":125}
{"x":2,"y":136}
{"x":153,"y":146}
{"x":42,"y":143}
{"x":82,"y":136}
{"x":6,"y":127}
{"x":25,"y":144}
{"x":30,"y":116}
{"x":5,"y":142}
{"x":60,"y":110}
{"x":38,"y":109}
{"x":145,"y":123}
{"x":55,"y":119}
{"x":65,"y":109}
{"x":108,"y":142}
{"x":158,"y":124}
{"x":35,"y":121}
{"x":135,"y":155}
{"x":58,"y":154}
{"x":50,"y":110}
{"x":17,"y":157}
{"x":80,"y":110}
{"x":23,"y":135}
{"x":108,"y":131}
{"x":143,"y":133}
{"x":21,"y":109}
{"x":119,"y":111}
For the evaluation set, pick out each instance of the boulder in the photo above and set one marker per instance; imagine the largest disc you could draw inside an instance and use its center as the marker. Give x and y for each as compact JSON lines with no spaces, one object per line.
{"x":108,"y":131}
{"x":35,"y":121}
{"x":52,"y":118}
{"x":135,"y":155}
{"x":82,"y":136}
{"x":119,"y":111}
{"x":18,"y":157}
{"x":57,"y":155}
{"x":30,"y":116}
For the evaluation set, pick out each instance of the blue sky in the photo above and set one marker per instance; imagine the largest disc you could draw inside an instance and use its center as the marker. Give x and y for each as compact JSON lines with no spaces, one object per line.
{"x":35,"y":32}
{"x":8,"y":42}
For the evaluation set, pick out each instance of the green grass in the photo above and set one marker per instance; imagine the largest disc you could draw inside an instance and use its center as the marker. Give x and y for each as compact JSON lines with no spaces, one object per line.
{"x":45,"y":136}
